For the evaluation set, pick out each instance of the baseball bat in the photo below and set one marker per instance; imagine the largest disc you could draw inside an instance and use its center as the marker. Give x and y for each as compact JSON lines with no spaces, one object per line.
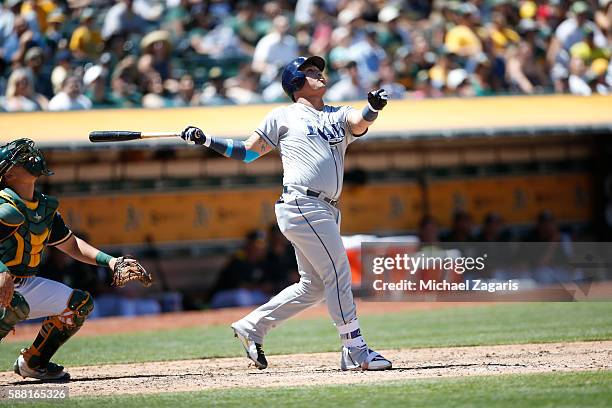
{"x":106,"y":136}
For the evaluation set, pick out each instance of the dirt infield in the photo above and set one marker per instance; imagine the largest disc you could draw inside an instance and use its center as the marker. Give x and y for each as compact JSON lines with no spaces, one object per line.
{"x":322,"y":368}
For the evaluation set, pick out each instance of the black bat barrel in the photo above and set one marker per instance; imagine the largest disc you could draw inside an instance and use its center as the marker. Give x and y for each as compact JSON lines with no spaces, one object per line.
{"x":113,"y":136}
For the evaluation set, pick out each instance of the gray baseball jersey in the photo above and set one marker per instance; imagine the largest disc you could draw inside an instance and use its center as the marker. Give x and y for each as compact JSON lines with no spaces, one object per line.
{"x":311,"y":143}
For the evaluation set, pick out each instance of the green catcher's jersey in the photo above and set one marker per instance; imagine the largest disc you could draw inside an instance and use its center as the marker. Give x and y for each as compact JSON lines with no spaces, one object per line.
{"x":26,"y":227}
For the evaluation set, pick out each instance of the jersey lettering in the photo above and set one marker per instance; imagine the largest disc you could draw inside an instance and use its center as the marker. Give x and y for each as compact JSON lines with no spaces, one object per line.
{"x":332,"y":133}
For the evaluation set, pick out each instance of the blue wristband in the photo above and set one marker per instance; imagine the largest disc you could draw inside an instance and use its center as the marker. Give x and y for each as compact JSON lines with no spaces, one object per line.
{"x":369,"y":114}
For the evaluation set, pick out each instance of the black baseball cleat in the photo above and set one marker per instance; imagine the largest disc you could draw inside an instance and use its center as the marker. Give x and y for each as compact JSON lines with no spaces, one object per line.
{"x":254,"y":351}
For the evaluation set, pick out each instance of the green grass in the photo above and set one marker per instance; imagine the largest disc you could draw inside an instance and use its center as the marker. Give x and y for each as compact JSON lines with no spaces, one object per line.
{"x":580,"y":389}
{"x":482,"y":325}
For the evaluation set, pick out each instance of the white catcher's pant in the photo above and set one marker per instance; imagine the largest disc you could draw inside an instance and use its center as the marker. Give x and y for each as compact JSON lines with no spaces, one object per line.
{"x":313,"y":227}
{"x":44,"y":296}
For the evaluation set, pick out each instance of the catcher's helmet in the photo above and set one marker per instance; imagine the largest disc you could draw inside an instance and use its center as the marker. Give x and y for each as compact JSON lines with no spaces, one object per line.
{"x":22,"y":152}
{"x":293,"y":78}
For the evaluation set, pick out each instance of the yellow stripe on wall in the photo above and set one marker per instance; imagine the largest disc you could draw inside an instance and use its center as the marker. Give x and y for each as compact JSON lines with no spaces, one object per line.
{"x":240,"y":121}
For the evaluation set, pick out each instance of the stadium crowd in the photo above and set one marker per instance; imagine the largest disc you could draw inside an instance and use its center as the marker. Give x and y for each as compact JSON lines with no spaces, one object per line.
{"x":82,"y":54}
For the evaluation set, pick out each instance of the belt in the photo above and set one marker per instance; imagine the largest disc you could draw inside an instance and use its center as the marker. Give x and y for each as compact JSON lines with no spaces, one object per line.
{"x":315,"y":194}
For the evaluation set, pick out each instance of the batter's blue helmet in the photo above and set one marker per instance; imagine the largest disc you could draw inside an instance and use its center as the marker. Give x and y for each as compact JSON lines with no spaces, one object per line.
{"x":293,"y":79}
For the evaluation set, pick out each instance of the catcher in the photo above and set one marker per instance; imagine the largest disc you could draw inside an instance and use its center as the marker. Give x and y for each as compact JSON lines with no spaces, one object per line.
{"x":29,"y":221}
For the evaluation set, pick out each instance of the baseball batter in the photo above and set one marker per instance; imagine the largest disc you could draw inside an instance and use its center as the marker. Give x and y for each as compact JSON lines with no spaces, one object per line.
{"x":29,"y":222}
{"x":311,"y":138}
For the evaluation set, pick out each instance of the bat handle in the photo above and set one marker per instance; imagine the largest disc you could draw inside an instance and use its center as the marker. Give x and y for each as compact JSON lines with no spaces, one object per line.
{"x":153,"y":135}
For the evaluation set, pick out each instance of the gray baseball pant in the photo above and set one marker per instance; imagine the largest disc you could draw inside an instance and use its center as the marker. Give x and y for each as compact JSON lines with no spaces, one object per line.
{"x":313,"y":227}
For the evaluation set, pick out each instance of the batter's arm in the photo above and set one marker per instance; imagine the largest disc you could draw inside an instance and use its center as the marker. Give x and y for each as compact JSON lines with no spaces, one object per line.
{"x":249,"y":150}
{"x":361,"y":121}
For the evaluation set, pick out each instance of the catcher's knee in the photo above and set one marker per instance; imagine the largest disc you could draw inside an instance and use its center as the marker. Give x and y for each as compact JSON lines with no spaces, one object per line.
{"x":10,"y":316}
{"x":81,"y":304}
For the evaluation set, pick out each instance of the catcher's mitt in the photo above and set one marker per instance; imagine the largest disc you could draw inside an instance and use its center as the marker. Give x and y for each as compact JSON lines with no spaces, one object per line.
{"x":7,"y":287}
{"x":128,"y":269}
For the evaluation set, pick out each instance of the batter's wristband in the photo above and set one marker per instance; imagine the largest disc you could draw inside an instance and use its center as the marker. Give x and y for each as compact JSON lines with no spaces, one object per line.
{"x":103,"y":259}
{"x":369,"y":113}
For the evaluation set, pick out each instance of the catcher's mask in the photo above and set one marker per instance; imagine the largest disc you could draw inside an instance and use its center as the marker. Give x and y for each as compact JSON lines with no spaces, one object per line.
{"x":23,"y":152}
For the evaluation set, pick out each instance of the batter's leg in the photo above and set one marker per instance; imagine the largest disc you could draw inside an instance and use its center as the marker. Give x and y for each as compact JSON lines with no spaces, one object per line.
{"x":313,"y":229}
{"x":290,"y":301}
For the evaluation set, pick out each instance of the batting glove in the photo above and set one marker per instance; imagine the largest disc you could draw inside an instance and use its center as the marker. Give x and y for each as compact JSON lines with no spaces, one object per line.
{"x":194,"y":135}
{"x":377,"y":99}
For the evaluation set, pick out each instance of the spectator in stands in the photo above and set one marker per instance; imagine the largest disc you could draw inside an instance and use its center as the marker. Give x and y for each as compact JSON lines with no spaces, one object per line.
{"x":577,"y":78}
{"x":86,"y":41}
{"x":438,"y":73}
{"x":586,"y":49}
{"x":20,"y":95}
{"x":603,"y":18}
{"x":215,"y":92}
{"x":458,"y":83}
{"x":525,"y":75}
{"x":391,"y":34}
{"x":124,"y":93}
{"x":240,"y":281}
{"x":423,"y":87}
{"x":387,"y":81}
{"x":247,"y":26}
{"x":599,"y":69}
{"x":155,"y":95}
{"x":322,"y":29}
{"x":410,"y":60}
{"x":244,"y":90}
{"x":349,"y":87}
{"x":187,"y":94}
{"x":274,"y":50}
{"x":71,"y":97}
{"x":36,"y":12}
{"x":61,"y":70}
{"x":123,"y":19}
{"x":480,"y":76}
{"x":340,"y":44}
{"x":274,"y":92}
{"x":157,"y":47}
{"x":7,"y":21}
{"x":462,"y":38}
{"x":571,"y":31}
{"x":220,"y":42}
{"x":55,"y":33}
{"x":95,"y":87}
{"x":368,"y":55}
{"x":500,"y":34}
{"x":39,"y":71}
{"x":20,"y":40}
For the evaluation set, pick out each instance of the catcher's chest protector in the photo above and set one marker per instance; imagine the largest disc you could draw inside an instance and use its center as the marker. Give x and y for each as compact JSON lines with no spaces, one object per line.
{"x":22,"y":251}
